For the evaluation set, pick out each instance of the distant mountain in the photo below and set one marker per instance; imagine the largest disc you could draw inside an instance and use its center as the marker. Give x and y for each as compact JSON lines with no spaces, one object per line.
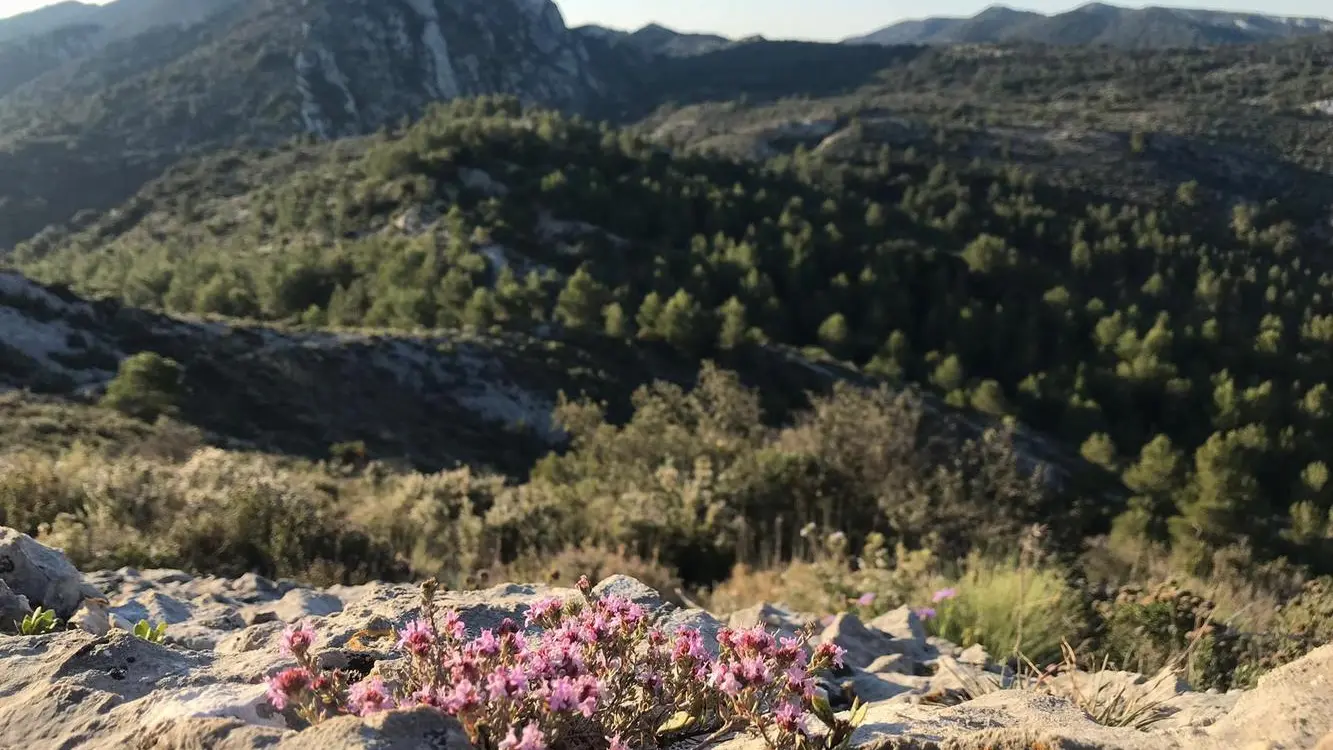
{"x":1100,"y":24}
{"x":655,"y":39}
{"x":95,"y":100}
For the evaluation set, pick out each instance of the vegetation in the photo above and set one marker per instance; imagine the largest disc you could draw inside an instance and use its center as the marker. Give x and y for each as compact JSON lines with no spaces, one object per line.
{"x":1181,"y":349}
{"x":595,"y":674}
{"x":934,"y":300}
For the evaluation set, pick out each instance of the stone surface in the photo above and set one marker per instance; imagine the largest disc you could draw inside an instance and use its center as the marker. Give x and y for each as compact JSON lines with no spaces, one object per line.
{"x":13,"y":608}
{"x":775,"y":617}
{"x":863,"y":644}
{"x":901,"y":623}
{"x":203,"y":688}
{"x":41,"y":574}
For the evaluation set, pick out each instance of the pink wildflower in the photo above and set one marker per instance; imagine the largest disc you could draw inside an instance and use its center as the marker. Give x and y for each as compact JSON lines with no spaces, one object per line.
{"x":866,"y":599}
{"x":543,"y":611}
{"x":453,"y":626}
{"x":800,"y":682}
{"x":943,"y":595}
{"x":723,"y":678}
{"x":463,"y":697}
{"x":286,"y":686}
{"x":832,"y":652}
{"x":788,"y":718}
{"x":585,"y":586}
{"x":561,"y":695}
{"x":296,"y":640}
{"x":615,"y":743}
{"x":925,"y":613}
{"x":369,"y":696}
{"x":417,"y":637}
{"x":532,"y":739}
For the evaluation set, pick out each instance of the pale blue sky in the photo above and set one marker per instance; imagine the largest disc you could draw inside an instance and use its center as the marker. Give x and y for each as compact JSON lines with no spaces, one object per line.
{"x":815,"y":19}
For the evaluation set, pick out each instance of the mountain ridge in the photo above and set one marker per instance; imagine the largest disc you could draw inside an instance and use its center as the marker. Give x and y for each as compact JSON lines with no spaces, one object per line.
{"x":1099,"y":24}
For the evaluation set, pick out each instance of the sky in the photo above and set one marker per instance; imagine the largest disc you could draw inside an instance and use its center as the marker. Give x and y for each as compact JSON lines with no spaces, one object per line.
{"x":816,"y":19}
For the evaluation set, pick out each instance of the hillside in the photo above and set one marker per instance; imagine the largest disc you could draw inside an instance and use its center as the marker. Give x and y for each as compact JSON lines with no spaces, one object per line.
{"x":1100,"y":24}
{"x":118,"y":104}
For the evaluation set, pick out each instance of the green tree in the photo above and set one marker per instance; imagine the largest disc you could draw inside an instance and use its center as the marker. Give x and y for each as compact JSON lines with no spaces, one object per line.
{"x":580,"y":303}
{"x":681,"y":322}
{"x":735,"y":328}
{"x":146,"y":386}
{"x":479,"y":314}
{"x":647,"y":319}
{"x":833,"y":335}
{"x":614,"y":321}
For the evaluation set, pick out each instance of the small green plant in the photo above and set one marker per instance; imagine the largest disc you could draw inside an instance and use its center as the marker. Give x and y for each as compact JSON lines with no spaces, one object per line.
{"x":38,"y":622}
{"x":149,"y":632}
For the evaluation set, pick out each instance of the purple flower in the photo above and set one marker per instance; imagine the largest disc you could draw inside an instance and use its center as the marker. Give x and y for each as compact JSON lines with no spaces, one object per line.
{"x":417,"y":637}
{"x":532,"y":739}
{"x":788,"y":717}
{"x":832,"y":652}
{"x":286,"y":686}
{"x":369,"y":696}
{"x":925,"y":613}
{"x":562,"y":695}
{"x":463,"y":697}
{"x":800,"y":682}
{"x":543,"y":610}
{"x":453,"y":626}
{"x":944,"y":594}
{"x":296,"y":640}
{"x":866,"y":599}
{"x":615,"y":743}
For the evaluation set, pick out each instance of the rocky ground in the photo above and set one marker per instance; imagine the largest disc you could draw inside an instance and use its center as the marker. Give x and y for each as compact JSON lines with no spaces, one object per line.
{"x":204,"y":687}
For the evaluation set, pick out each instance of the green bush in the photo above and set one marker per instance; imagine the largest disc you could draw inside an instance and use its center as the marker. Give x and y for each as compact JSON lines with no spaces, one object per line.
{"x":147,"y":386}
{"x":1009,"y":608}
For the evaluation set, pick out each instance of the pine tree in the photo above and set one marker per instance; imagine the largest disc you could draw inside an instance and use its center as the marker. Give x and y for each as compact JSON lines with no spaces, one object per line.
{"x":734,"y":328}
{"x":580,"y":303}
{"x":833,"y":335}
{"x":614,"y":322}
{"x":479,"y":314}
{"x":681,"y":322}
{"x":650,"y":310}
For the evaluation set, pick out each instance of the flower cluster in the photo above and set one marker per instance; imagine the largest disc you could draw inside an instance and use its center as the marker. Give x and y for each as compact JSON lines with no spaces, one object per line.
{"x":591,"y":673}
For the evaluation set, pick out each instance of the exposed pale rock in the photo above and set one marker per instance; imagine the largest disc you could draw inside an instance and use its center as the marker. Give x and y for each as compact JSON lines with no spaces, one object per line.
{"x":891,"y":663}
{"x":42,"y":574}
{"x":900,"y":623}
{"x":976,"y":655}
{"x":13,"y":608}
{"x":774,"y":617}
{"x":863,"y":644}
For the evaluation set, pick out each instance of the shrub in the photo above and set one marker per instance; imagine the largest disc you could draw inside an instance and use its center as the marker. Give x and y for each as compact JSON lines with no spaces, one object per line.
{"x":588,"y":674}
{"x":147,"y":386}
{"x":1008,"y":608}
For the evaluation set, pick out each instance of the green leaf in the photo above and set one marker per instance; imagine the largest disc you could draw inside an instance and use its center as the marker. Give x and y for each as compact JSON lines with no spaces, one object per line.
{"x":679,"y":721}
{"x":859,"y":712}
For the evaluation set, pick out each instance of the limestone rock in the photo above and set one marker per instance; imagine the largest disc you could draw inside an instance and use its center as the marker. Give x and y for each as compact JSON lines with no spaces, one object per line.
{"x":975,"y":655}
{"x":42,"y":574}
{"x":901,"y":623}
{"x":13,"y":608}
{"x":776,"y":618}
{"x":863,"y":644}
{"x":416,"y":729}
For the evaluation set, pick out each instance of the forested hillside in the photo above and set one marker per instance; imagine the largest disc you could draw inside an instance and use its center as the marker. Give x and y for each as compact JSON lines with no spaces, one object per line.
{"x":1183,"y":349}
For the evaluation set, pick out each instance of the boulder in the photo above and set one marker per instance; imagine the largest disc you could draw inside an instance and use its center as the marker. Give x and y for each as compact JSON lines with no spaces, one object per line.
{"x":41,"y":574}
{"x":864,"y":645}
{"x":776,"y":618}
{"x":13,"y":608}
{"x":901,"y":623}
